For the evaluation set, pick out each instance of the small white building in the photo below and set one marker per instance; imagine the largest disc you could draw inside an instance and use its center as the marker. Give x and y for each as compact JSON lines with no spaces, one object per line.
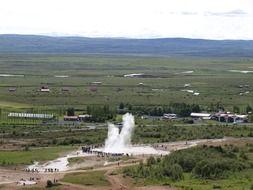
{"x":205,"y":116}
{"x":45,"y":90}
{"x":96,"y":83}
{"x":187,"y":85}
{"x":84,"y":117}
{"x":70,"y":118}
{"x":169,"y":116}
{"x":134,"y":75}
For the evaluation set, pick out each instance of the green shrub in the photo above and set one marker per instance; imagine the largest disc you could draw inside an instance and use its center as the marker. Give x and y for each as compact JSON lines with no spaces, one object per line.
{"x":49,"y":184}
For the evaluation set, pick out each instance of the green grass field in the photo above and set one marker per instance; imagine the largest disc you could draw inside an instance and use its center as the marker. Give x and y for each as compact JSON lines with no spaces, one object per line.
{"x":27,"y":157}
{"x":210,"y":77}
{"x":96,"y":178}
{"x":238,"y":181}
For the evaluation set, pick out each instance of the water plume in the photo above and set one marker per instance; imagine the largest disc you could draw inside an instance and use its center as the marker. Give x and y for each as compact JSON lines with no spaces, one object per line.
{"x":117,"y":141}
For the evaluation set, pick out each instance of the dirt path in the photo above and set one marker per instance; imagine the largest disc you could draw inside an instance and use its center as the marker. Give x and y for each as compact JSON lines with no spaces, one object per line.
{"x":154,"y":188}
{"x":68,"y":186}
{"x":116,"y":183}
{"x":119,"y":183}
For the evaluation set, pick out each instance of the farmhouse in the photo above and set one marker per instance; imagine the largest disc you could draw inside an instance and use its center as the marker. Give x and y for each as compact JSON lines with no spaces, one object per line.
{"x":96,"y":83}
{"x":230,"y":118}
{"x":169,"y":116}
{"x":70,"y":118}
{"x":44,"y":89}
{"x":136,"y":75}
{"x":12,"y":89}
{"x":84,"y":117}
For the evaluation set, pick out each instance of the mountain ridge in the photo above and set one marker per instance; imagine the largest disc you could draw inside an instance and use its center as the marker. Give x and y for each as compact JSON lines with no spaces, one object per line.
{"x":13,"y":43}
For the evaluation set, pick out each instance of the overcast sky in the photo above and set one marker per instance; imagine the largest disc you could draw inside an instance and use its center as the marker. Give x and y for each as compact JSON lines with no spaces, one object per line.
{"x":212,"y":19}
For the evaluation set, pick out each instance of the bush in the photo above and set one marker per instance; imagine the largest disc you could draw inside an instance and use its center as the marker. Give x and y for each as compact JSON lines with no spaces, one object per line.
{"x":216,"y":187}
{"x":49,"y":184}
{"x":175,"y":172}
{"x":151,"y":160}
{"x":215,"y":168}
{"x":243,"y":156}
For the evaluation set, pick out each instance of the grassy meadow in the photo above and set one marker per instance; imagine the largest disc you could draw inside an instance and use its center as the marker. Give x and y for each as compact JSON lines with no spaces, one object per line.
{"x":168,"y":75}
{"x":27,"y":73}
{"x":29,"y":156}
{"x":96,"y":178}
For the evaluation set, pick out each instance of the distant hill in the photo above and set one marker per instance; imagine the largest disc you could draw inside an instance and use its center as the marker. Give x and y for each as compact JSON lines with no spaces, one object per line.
{"x":163,"y":46}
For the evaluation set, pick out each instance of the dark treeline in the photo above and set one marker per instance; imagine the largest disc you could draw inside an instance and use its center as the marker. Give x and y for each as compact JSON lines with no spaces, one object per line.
{"x":106,"y":112}
{"x":182,"y":109}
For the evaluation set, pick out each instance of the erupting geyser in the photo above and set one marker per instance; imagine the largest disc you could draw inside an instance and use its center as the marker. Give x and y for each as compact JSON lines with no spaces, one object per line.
{"x":117,"y":141}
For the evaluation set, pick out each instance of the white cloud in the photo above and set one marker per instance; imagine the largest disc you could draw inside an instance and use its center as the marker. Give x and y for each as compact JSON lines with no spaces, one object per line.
{"x":236,"y":12}
{"x":216,"y":19}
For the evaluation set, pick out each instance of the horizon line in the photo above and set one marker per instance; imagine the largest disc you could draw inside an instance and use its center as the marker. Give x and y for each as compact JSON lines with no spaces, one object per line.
{"x":123,"y":37}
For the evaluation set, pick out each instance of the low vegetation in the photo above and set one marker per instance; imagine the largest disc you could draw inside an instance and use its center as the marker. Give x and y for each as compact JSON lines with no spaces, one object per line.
{"x":204,"y":163}
{"x":210,"y":77}
{"x":175,"y":132}
{"x":87,"y":178}
{"x":77,"y":160}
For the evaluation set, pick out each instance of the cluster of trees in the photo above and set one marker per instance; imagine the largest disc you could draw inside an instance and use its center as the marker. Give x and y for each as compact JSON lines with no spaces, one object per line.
{"x":70,"y":111}
{"x":185,"y":110}
{"x":210,"y":162}
{"x":98,"y":113}
{"x":126,"y":107}
{"x":248,"y":109}
{"x":101,"y":113}
{"x":6,"y":163}
{"x":155,"y":169}
{"x":214,"y":168}
{"x":206,"y":162}
{"x":218,"y":106}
